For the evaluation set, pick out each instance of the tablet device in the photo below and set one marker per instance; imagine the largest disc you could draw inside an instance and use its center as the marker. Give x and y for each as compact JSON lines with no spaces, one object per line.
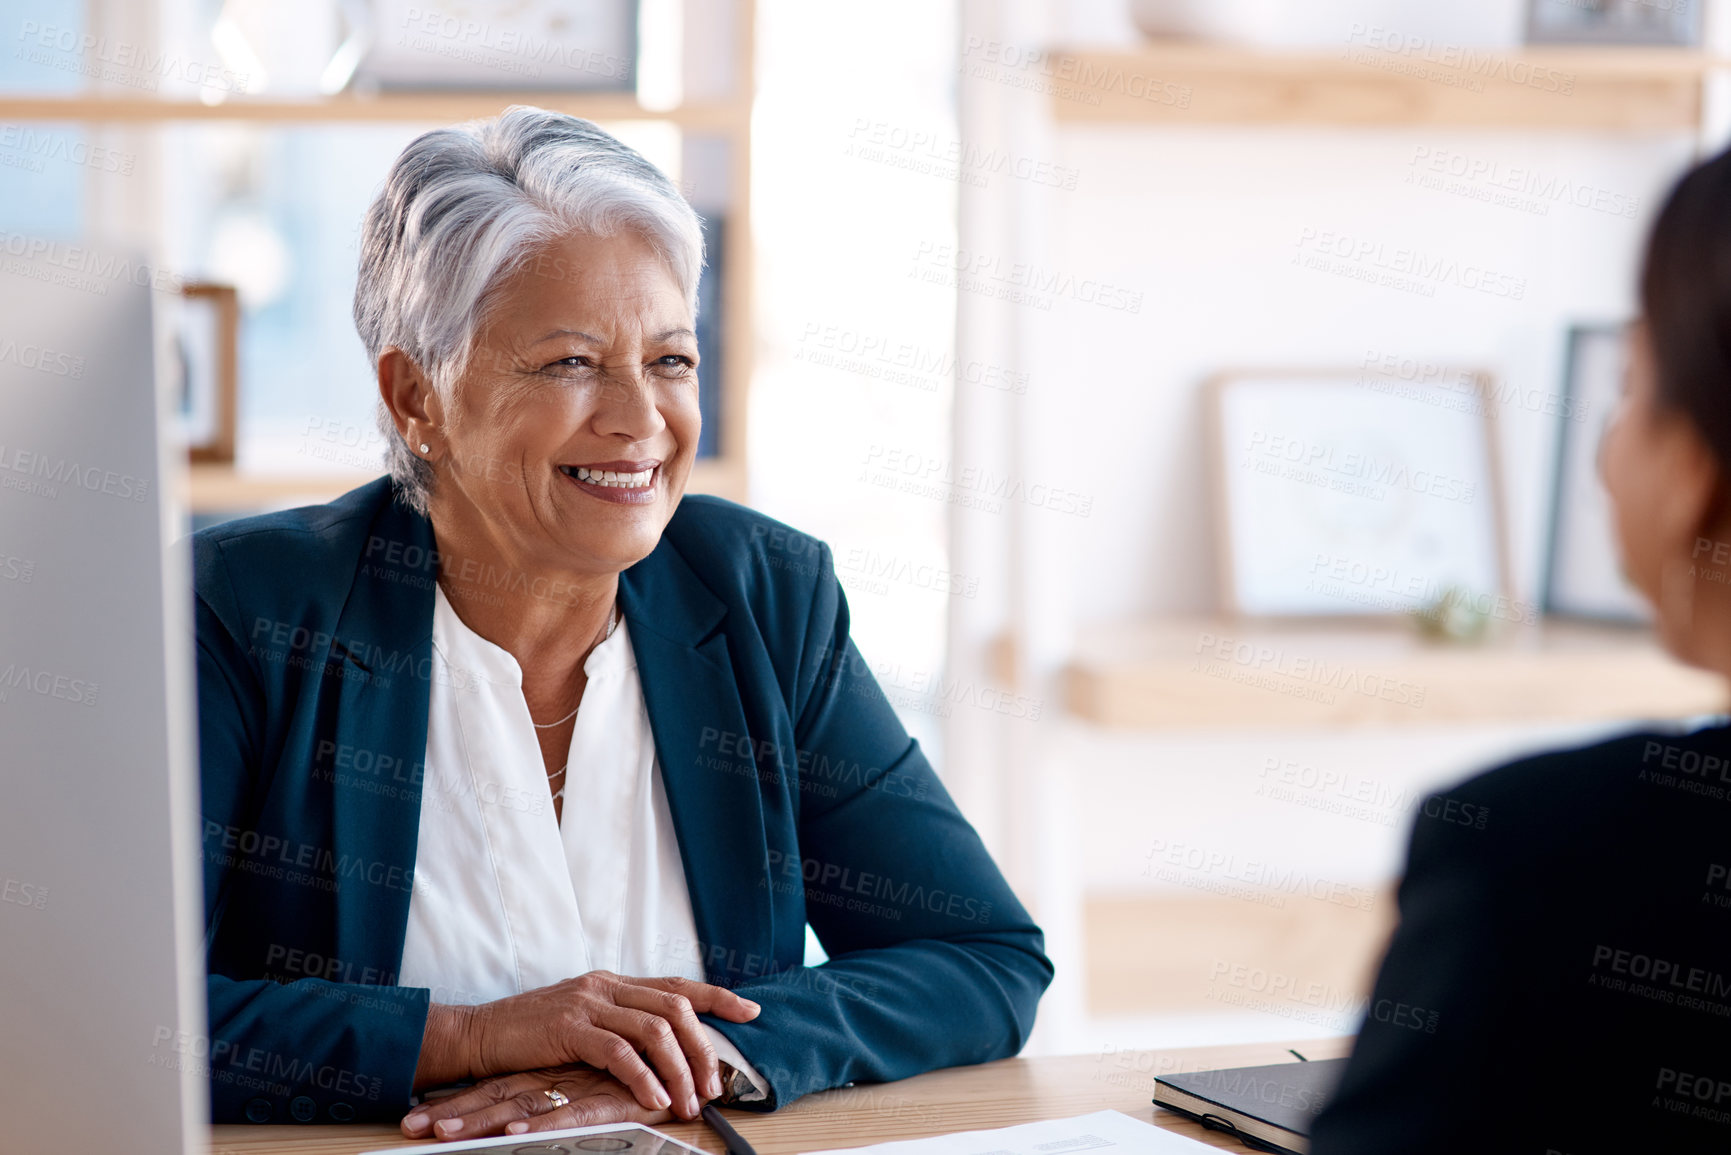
{"x":606,"y":1139}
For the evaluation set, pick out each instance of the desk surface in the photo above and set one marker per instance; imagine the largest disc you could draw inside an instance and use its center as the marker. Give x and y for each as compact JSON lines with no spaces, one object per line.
{"x":960,"y":1099}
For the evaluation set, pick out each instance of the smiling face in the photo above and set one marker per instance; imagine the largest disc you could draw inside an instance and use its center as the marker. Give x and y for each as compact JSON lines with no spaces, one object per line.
{"x":567,"y":442}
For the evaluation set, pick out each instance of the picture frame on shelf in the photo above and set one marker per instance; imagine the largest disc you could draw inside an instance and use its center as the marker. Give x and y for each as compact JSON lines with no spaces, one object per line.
{"x":1358,"y":493}
{"x":1647,"y":23}
{"x":1583,"y":575}
{"x":590,"y":46}
{"x":204,"y":343}
{"x":712,"y":336}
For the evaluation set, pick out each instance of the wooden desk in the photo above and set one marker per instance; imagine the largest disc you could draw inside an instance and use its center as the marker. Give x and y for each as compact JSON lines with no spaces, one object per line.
{"x":961,"y":1099}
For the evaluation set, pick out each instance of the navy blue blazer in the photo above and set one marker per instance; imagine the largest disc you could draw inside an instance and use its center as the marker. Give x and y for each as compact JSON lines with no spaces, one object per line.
{"x":796,"y":795}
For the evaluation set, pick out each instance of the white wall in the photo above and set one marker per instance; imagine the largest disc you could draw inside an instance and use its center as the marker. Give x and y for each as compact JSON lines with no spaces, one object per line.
{"x":1205,"y":223}
{"x":852,"y":354}
{"x":1208,"y":224}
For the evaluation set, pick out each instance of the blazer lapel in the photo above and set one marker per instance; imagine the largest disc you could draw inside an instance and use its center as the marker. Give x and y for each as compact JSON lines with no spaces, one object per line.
{"x":382,"y":652}
{"x":692,"y":696}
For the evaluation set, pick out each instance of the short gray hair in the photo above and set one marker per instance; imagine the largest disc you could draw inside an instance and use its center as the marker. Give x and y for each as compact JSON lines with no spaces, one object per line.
{"x":461,"y":209}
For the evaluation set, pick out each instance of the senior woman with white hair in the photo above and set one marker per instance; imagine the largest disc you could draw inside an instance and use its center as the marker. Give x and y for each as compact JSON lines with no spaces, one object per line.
{"x":520,"y":768}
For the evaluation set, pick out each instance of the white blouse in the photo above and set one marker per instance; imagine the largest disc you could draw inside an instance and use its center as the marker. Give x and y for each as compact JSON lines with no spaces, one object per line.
{"x":508,"y":898}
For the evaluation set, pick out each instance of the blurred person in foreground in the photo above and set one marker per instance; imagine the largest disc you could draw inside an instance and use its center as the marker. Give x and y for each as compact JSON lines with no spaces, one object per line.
{"x":521,"y":768}
{"x":1560,"y":979}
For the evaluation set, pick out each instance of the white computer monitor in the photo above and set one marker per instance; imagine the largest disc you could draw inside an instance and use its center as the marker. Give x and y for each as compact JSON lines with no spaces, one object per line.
{"x":101,"y":970}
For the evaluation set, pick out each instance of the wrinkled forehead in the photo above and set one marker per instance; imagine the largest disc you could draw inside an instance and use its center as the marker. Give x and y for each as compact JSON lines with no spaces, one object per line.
{"x":584,"y":288}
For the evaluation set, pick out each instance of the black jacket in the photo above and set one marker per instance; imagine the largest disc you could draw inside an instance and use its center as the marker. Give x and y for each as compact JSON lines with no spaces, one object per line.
{"x":1560,"y":980}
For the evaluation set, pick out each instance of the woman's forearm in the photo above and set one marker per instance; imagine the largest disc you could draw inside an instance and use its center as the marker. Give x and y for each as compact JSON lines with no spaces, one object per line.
{"x":445,"y":1047}
{"x":973,"y":997}
{"x":351,"y":1050}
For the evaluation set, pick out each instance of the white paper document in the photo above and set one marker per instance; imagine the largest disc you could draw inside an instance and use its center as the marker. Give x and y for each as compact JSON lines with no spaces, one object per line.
{"x":1107,"y":1131}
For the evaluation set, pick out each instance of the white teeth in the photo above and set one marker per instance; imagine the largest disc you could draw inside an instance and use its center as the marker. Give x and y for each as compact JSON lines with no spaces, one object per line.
{"x":614,"y":480}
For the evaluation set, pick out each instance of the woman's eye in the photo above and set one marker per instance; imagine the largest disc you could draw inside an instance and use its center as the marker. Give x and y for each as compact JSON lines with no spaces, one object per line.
{"x":674,"y":365}
{"x":568,"y":366}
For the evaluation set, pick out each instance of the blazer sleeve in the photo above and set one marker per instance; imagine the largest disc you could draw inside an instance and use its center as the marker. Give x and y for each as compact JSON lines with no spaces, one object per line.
{"x":1434,"y":1011}
{"x":933,"y":962}
{"x":331,"y":1051}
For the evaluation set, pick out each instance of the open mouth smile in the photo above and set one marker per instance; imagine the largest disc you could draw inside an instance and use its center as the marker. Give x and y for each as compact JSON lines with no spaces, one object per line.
{"x":625,"y":482}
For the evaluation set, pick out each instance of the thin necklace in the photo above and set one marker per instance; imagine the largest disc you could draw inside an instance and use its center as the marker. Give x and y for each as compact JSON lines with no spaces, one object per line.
{"x":612,"y":624}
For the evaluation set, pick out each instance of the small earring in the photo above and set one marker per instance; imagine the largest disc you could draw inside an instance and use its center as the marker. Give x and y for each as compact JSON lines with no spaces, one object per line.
{"x":423,"y":447}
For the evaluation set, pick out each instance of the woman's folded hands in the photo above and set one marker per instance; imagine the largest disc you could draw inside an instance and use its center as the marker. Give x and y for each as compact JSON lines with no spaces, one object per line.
{"x":614,"y":1048}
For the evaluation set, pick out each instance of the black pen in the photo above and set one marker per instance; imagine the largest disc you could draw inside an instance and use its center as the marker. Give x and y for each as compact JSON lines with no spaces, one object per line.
{"x":734,"y":1141}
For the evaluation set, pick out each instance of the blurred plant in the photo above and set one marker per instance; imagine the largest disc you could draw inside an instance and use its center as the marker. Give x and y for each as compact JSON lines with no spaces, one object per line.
{"x":1456,"y":615}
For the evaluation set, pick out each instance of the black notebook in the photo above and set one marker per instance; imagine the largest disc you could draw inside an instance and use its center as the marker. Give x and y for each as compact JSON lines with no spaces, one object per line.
{"x":1269,"y":1108}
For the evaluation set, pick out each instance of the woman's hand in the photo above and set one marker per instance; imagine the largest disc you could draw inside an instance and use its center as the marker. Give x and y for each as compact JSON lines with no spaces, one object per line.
{"x":514,"y":1104}
{"x":605,"y":1020}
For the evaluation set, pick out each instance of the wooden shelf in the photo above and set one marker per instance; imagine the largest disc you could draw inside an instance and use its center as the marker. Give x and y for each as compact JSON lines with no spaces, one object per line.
{"x":1172,"y":83}
{"x":711,"y":29}
{"x":220,"y":489}
{"x":1202,"y":673}
{"x":433,"y":107}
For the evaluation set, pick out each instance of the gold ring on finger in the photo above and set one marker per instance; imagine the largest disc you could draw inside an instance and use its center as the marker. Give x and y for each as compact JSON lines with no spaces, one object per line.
{"x":557,"y":1098}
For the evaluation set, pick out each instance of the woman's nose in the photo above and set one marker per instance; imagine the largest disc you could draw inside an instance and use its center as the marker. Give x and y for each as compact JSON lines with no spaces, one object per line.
{"x":627,"y":404}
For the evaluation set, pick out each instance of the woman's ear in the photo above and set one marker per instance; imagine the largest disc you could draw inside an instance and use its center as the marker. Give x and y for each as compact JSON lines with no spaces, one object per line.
{"x":1693,"y":527}
{"x":1694,"y":508}
{"x":1713,"y":530}
{"x":408,"y":393}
